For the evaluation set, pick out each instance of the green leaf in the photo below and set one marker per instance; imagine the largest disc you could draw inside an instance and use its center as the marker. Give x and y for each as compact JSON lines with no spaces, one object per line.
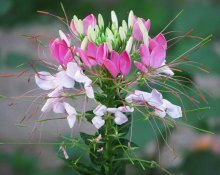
{"x":81,"y":168}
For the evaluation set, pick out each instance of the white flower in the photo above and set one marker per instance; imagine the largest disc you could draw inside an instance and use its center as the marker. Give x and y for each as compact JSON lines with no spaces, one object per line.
{"x":119,"y":119}
{"x":161,"y":106}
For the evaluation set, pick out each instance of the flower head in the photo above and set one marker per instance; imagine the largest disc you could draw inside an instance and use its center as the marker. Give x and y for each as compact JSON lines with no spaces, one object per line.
{"x":60,"y":49}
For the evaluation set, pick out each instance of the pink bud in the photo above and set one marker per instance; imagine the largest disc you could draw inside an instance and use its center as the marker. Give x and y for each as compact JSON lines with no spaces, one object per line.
{"x":90,"y":20}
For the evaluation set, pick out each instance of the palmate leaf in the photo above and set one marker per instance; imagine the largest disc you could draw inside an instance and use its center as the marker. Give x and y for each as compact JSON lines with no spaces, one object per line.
{"x":81,"y":168}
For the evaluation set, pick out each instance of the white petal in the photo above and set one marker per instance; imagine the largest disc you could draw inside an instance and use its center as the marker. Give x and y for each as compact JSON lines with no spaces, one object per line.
{"x":82,"y":78}
{"x":54,"y":97}
{"x":100,"y":110}
{"x":172,"y":110}
{"x":69,"y":109}
{"x":142,"y":96}
{"x":45,"y":80}
{"x":64,"y":80}
{"x":98,"y":122}
{"x":166,"y":70}
{"x":112,"y":110}
{"x":71,"y":69}
{"x":89,"y":91}
{"x":160,"y":111}
{"x":58,"y":107}
{"x":48,"y":105}
{"x":129,"y":45}
{"x":120,"y":118}
{"x":126,"y":109}
{"x":71,"y":120}
{"x":155,"y":99}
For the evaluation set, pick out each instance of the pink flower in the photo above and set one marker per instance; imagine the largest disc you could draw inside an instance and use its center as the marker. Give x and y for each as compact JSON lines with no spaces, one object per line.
{"x":158,"y":40}
{"x":60,"y":49}
{"x":118,"y":63}
{"x":94,"y":54}
{"x":89,"y":20}
{"x":152,"y":57}
{"x":136,"y":31}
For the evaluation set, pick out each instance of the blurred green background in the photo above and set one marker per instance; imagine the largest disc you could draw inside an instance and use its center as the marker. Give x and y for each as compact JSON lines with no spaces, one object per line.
{"x":187,"y":151}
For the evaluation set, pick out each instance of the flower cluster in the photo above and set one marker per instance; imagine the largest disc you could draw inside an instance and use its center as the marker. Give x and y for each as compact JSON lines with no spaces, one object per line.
{"x":107,"y":67}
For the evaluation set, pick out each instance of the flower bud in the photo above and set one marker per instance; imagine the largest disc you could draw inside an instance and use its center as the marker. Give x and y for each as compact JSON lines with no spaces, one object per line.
{"x":129,"y":44}
{"x":124,"y":26}
{"x":109,"y":34}
{"x":100,"y":21}
{"x":79,"y":27}
{"x":91,"y":34}
{"x":143,"y":31}
{"x":109,"y":44}
{"x":130,"y":19}
{"x":122,"y":34}
{"x":114,"y":19}
{"x":84,"y":43}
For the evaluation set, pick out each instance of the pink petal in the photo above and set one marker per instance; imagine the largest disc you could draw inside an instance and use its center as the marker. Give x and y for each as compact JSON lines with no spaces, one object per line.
{"x":158,"y":56}
{"x":136,"y":32}
{"x":68,"y":57}
{"x":73,"y":27}
{"x":140,"y":66}
{"x":84,"y":58}
{"x":111,"y":67}
{"x":125,"y":63}
{"x":90,"y":20}
{"x":54,"y":49}
{"x":102,"y":53}
{"x":63,"y":49}
{"x":161,"y":40}
{"x":147,"y":24}
{"x":91,"y":51}
{"x":115,"y":58}
{"x":145,"y":54}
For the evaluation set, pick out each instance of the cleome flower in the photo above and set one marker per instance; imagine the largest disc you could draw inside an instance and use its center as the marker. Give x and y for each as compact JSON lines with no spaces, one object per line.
{"x":153,"y":56}
{"x":162,"y":107}
{"x":119,"y":117}
{"x":60,"y":49}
